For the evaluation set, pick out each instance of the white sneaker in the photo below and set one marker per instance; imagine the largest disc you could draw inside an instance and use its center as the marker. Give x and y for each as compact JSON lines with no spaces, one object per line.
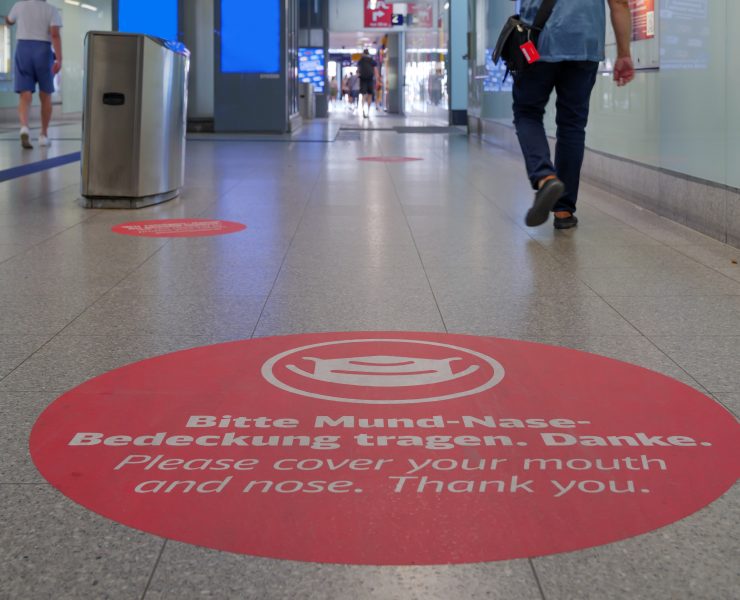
{"x":44,"y":141}
{"x":26,"y":138}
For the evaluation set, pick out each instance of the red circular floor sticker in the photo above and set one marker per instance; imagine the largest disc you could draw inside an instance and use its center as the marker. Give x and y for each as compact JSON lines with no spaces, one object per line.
{"x":389,"y":159}
{"x":167,"y":228}
{"x":388,"y":448}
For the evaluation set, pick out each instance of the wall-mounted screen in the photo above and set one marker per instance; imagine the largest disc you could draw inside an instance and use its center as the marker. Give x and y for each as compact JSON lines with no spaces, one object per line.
{"x":250,"y":36}
{"x":159,"y":18}
{"x":311,"y":66}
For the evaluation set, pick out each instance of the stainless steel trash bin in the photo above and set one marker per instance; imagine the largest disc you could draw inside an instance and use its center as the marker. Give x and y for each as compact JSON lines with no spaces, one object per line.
{"x":306,"y":100}
{"x":134,"y":120}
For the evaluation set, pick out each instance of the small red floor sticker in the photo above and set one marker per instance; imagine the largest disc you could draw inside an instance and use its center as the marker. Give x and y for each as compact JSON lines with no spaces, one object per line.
{"x":167,"y":228}
{"x":389,"y":159}
{"x":388,"y":448}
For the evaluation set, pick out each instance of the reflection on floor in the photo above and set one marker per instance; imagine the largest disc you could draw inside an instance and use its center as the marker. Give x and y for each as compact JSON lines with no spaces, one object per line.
{"x":334,"y":244}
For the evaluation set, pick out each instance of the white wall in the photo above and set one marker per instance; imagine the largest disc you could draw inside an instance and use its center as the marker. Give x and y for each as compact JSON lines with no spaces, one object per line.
{"x":346,"y":15}
{"x":684,"y":116}
{"x":77,"y":22}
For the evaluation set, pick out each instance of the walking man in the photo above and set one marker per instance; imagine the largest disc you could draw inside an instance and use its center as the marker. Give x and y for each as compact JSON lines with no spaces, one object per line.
{"x":571,"y":45}
{"x":39,"y":27}
{"x":367,"y":69}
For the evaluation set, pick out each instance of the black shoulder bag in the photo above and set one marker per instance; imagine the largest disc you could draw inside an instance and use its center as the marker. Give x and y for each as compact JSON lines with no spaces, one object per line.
{"x":517,"y":43}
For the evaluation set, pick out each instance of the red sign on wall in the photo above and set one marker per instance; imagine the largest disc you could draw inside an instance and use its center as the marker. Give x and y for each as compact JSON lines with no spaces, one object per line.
{"x":422,"y":14}
{"x":643,"y":19}
{"x":378,"y":13}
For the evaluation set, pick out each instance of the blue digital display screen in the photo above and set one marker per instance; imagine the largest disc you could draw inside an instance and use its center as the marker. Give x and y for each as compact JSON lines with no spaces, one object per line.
{"x":158,"y":18}
{"x":250,"y":36}
{"x":311,"y":67}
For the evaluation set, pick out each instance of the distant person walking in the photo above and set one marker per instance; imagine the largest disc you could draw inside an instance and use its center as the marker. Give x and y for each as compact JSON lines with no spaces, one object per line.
{"x":354,"y":90}
{"x":367,"y":69}
{"x":571,"y":45}
{"x":39,"y":27}
{"x":333,"y":90}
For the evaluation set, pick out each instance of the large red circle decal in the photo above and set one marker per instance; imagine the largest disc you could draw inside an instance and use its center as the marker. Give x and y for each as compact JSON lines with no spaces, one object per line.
{"x":388,"y":448}
{"x":168,"y":228}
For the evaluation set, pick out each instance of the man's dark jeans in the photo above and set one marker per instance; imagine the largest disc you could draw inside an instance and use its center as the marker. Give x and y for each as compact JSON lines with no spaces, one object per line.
{"x":573,"y":82}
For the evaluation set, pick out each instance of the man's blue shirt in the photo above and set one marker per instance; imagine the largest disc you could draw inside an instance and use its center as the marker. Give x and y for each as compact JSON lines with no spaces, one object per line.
{"x":576,"y":29}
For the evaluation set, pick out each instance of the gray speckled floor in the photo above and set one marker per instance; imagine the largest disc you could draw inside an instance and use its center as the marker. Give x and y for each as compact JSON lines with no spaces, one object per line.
{"x":335,"y":244}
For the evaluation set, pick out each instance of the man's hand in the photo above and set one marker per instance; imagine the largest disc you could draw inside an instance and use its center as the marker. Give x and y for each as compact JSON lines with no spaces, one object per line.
{"x":624,"y":71}
{"x":56,"y":67}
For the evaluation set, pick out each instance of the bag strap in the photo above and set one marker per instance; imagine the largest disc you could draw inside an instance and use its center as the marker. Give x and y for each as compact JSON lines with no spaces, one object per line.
{"x":543,"y":14}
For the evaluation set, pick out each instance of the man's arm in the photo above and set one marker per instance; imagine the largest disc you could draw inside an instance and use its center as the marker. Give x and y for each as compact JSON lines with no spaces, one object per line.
{"x":11,"y":18}
{"x":56,"y":42}
{"x":624,"y":70}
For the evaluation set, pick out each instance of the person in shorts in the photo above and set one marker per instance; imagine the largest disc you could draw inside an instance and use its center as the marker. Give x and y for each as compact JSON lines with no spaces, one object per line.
{"x":38,"y":58}
{"x":367,"y":69}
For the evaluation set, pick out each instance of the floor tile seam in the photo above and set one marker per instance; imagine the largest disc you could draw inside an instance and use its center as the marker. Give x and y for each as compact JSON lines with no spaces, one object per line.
{"x":154,"y":570}
{"x":701,"y":294}
{"x":551,"y":252}
{"x":645,"y":233}
{"x":477,"y":187}
{"x":58,"y":392}
{"x":675,"y":248}
{"x":603,"y":297}
{"x":48,"y":192}
{"x":536,"y":578}
{"x":705,"y":265}
{"x":89,"y":306}
{"x":655,"y":345}
{"x":304,"y":211}
{"x":165,"y":243}
{"x":51,"y":237}
{"x":416,"y":247}
{"x":715,"y":397}
{"x":634,"y":326}
{"x":27,"y":483}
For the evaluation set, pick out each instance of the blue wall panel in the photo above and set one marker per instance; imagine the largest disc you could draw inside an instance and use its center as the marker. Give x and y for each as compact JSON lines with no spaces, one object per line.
{"x":250,"y":36}
{"x":153,"y":17}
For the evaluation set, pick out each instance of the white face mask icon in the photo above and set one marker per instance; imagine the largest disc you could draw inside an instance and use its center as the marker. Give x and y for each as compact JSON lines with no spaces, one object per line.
{"x":383,"y":371}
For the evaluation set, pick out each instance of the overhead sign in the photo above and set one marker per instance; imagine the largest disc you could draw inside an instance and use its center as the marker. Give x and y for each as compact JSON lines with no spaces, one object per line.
{"x":166,"y":228}
{"x":378,"y":13}
{"x":388,"y":448}
{"x":421,"y":15}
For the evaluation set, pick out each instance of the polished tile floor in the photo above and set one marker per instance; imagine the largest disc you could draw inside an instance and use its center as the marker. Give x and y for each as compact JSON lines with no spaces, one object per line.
{"x":334,"y":244}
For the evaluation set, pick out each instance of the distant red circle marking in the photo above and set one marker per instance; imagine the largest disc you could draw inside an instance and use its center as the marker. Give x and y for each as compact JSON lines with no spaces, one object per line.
{"x":388,"y":448}
{"x":169,"y":228}
{"x":389,"y":159}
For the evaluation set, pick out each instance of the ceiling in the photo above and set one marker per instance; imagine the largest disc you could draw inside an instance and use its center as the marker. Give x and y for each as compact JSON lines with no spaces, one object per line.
{"x":356,"y":39}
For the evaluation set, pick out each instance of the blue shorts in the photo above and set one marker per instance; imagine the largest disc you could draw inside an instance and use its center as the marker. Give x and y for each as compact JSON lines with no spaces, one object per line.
{"x":33,"y":63}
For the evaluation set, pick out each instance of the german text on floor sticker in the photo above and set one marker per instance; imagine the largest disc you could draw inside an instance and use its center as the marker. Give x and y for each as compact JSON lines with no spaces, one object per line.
{"x":388,"y":448}
{"x":168,"y":228}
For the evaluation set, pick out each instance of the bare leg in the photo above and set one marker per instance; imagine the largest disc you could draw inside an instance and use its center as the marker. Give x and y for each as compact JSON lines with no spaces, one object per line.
{"x":45,"y":112}
{"x":24,"y":107}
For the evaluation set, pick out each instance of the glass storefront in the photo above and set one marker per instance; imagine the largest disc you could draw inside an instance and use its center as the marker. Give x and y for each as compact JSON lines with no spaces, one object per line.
{"x":426,"y":69}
